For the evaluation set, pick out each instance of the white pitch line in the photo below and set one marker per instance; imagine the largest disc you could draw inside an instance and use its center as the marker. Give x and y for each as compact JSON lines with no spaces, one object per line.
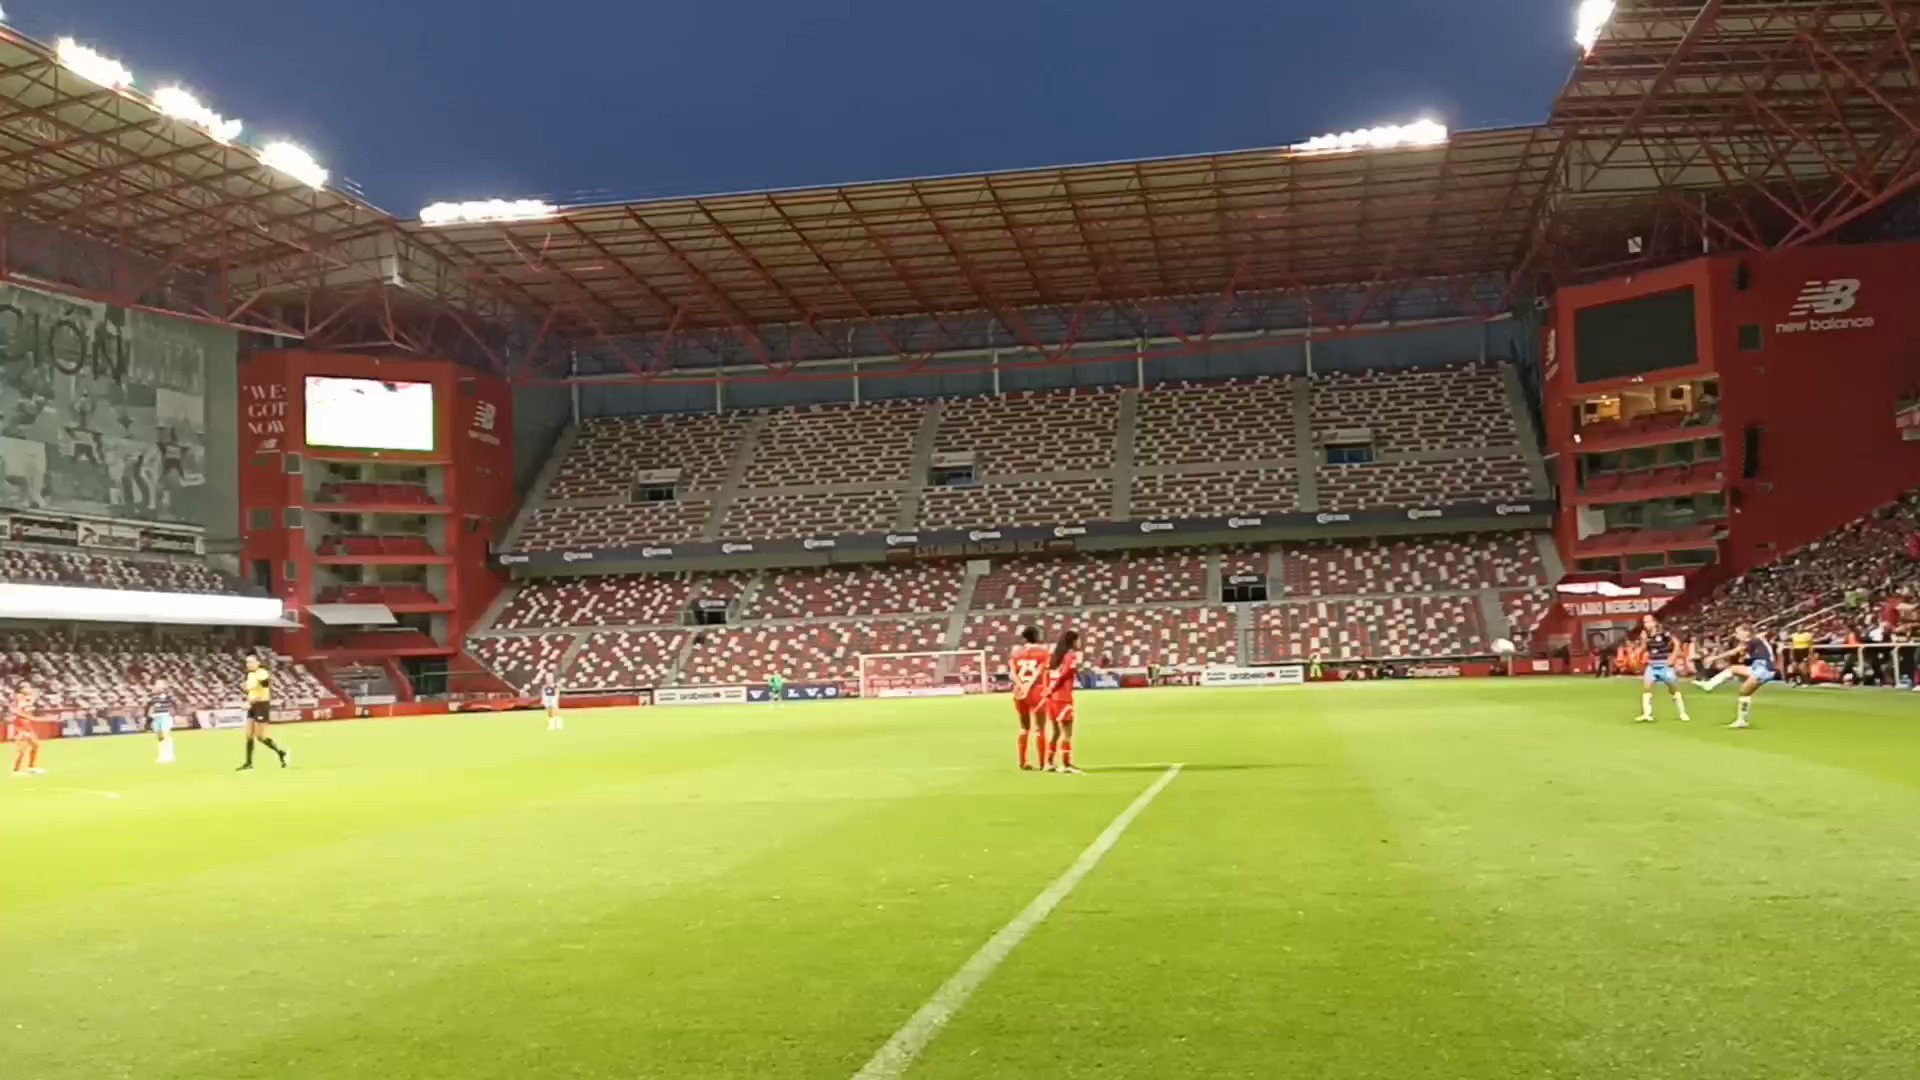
{"x":73,"y":790}
{"x":892,"y":1060}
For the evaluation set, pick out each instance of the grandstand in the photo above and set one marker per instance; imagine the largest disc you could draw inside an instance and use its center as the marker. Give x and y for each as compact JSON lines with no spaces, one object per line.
{"x":1193,"y":450}
{"x":1403,"y":599}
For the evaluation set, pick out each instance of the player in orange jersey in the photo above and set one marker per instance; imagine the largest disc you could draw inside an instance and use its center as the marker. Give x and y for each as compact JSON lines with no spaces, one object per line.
{"x":1028,"y":668}
{"x":25,"y":740}
{"x":1063,"y":672}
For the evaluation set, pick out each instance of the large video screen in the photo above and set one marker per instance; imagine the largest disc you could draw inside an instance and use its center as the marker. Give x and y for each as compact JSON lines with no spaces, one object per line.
{"x":369,"y":414}
{"x":1632,"y":337}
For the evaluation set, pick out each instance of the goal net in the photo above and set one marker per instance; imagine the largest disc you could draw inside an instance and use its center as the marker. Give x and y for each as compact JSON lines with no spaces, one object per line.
{"x":948,"y":673}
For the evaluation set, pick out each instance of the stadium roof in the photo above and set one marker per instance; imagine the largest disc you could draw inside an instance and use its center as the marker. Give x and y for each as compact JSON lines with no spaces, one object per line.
{"x":1728,"y":123}
{"x":1758,"y":123}
{"x":1004,"y":242}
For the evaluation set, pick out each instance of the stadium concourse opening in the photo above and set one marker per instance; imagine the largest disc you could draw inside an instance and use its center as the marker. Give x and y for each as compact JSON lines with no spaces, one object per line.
{"x":1097,"y":620}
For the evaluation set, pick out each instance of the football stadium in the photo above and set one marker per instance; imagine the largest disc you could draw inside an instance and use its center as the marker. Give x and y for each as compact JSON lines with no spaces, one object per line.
{"x":645,"y":638}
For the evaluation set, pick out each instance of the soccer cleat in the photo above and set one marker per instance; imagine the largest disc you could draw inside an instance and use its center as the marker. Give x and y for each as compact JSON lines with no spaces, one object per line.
{"x":1739,"y":724}
{"x":1069,"y":770}
{"x":248,"y":767}
{"x":1024,"y":767}
{"x":286,"y":758}
{"x":37,"y":771}
{"x":1643,"y":718}
{"x":1703,"y":686}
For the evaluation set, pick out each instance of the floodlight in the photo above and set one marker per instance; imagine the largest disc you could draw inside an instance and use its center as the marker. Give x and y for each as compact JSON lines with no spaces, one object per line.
{"x":92,"y":66}
{"x":295,"y":162}
{"x":465,"y":213}
{"x":182,"y":105}
{"x":1422,"y":132}
{"x":1589,"y":20}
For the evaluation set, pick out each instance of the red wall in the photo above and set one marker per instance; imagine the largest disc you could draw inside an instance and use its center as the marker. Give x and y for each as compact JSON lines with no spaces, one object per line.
{"x":473,"y":445}
{"x":1823,"y":396}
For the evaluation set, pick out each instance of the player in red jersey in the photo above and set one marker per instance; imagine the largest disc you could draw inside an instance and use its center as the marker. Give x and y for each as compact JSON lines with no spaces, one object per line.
{"x":26,"y":741}
{"x":1028,"y":668}
{"x":1063,"y":672}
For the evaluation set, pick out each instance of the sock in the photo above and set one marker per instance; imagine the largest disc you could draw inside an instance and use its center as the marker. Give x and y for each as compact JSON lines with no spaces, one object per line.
{"x":1646,"y":703}
{"x":20,"y":758}
{"x":250,"y":749}
{"x":1024,"y":736}
{"x":1680,"y":705}
{"x":1065,"y":745}
{"x":1046,"y":752}
{"x":268,"y":743}
{"x":1719,"y":677}
{"x":33,"y":755}
{"x":1746,"y":706}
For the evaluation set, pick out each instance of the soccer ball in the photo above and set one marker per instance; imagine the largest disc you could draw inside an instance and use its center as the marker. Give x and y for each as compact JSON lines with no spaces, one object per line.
{"x":1503,"y":647}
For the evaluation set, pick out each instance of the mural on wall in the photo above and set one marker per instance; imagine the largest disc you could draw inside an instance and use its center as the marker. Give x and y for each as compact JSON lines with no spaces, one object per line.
{"x":103,"y":410}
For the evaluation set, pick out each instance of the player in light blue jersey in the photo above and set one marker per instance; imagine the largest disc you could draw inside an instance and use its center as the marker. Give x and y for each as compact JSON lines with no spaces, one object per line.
{"x":1756,"y":672}
{"x":160,"y":720}
{"x":1662,"y":650}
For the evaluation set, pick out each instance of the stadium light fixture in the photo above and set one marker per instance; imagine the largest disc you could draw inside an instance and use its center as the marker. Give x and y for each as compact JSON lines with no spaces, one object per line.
{"x":182,"y":105}
{"x":1589,"y":20}
{"x":293,"y":161}
{"x":467,"y":213}
{"x":91,"y":65}
{"x":1422,"y":132}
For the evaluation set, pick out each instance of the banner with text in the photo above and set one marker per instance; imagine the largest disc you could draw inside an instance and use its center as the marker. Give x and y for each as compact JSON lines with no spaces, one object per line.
{"x":1011,"y":539}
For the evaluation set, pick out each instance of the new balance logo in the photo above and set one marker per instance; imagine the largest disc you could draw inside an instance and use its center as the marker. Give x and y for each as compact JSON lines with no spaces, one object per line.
{"x":1826,"y":297}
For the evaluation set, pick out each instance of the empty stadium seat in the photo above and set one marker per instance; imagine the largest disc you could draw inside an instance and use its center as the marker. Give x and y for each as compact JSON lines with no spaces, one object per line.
{"x":32,"y":566}
{"x":1458,"y":408}
{"x":1423,"y":483}
{"x":1053,"y":431}
{"x":522,"y":662}
{"x":1089,"y":580}
{"x":913,"y":589}
{"x":625,"y":660}
{"x":835,"y":444}
{"x":1027,"y":502}
{"x":616,"y":600}
{"x":1190,"y":423}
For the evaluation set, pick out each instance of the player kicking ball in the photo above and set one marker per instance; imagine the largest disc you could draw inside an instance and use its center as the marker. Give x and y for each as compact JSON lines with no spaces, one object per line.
{"x":1028,"y":669}
{"x":1755,"y":673}
{"x":160,"y":720}
{"x":1661,"y":648}
{"x":550,"y":701}
{"x":1063,"y":675}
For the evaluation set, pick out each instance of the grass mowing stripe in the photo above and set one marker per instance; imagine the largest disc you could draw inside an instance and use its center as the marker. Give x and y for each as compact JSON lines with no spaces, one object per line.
{"x":893,"y":1059}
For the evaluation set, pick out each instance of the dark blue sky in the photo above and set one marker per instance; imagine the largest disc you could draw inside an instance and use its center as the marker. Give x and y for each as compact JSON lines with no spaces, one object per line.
{"x":419,"y":100}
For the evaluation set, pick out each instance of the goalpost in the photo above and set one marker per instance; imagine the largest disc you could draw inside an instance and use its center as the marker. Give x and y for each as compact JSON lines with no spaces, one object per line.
{"x":944,"y":673}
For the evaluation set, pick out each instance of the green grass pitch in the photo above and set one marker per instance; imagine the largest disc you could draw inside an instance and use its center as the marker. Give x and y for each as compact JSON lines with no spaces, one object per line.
{"x":1462,"y":880}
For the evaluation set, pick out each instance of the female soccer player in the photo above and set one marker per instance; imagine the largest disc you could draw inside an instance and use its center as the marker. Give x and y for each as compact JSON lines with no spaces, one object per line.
{"x":550,"y":701}
{"x":1662,"y":649}
{"x":260,"y":712}
{"x":26,"y":741}
{"x":1027,"y":667}
{"x":1757,"y":671}
{"x":160,"y":720}
{"x":1062,"y":675}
